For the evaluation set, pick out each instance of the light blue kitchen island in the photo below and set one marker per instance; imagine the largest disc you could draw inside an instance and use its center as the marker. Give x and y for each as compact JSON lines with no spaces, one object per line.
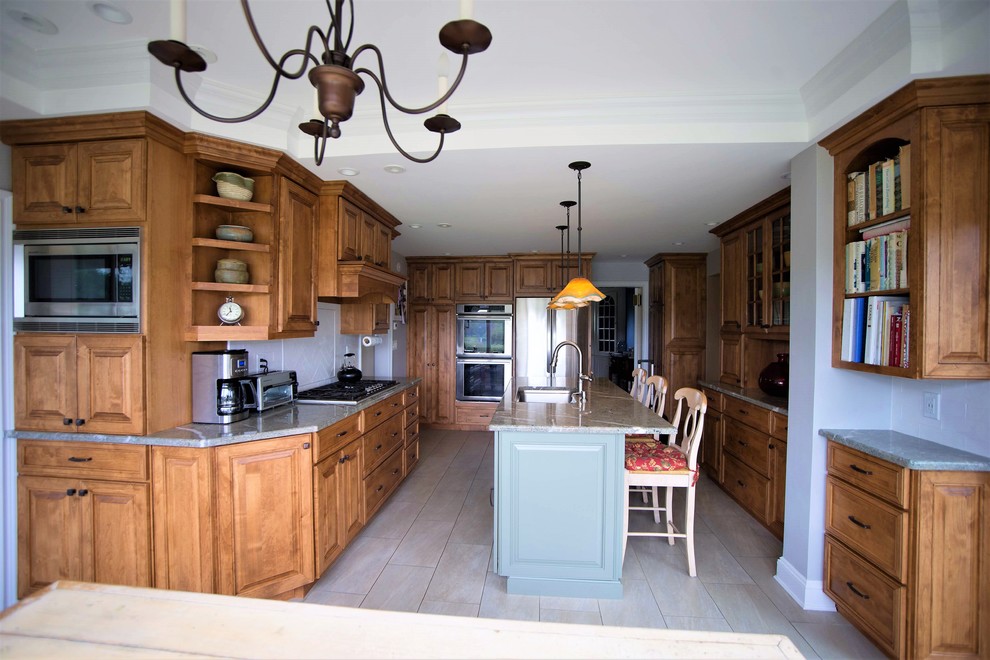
{"x":559,"y":489}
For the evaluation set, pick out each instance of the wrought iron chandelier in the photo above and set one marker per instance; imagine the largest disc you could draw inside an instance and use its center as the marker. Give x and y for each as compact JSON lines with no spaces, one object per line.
{"x":579,"y":292}
{"x":334,"y":75}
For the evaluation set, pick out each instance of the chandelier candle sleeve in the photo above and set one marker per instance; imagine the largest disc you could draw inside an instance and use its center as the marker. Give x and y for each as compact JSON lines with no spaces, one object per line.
{"x":177,"y":19}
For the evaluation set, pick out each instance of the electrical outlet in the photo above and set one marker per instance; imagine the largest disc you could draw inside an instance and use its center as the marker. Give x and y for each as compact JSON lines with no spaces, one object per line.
{"x":931,"y":408}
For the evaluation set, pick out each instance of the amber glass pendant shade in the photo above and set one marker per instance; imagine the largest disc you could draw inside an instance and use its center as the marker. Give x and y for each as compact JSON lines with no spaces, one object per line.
{"x":579,"y":292}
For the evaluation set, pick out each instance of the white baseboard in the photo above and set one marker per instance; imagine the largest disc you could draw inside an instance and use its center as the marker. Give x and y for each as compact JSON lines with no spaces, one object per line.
{"x":808,"y":593}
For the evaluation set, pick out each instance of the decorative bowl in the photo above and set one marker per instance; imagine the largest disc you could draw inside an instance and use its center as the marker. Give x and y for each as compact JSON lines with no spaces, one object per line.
{"x":231,"y":185}
{"x":231,"y":264}
{"x":235,"y":233}
{"x":228,"y":276}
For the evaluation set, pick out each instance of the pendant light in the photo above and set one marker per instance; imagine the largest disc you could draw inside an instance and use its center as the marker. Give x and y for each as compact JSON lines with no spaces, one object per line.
{"x":579,"y":292}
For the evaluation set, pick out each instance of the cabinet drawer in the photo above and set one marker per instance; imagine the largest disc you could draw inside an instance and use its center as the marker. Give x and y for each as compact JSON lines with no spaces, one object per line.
{"x":410,"y":456}
{"x":714,"y":399}
{"x":380,"y":442}
{"x":872,"y":528}
{"x":752,"y":415}
{"x":332,"y":438}
{"x":410,"y":396}
{"x":477,"y":414}
{"x":410,"y":415}
{"x":381,"y":411}
{"x":872,"y":600}
{"x":412,"y":433}
{"x":749,"y":446}
{"x":101,"y":460}
{"x":874,"y":475}
{"x":779,"y":426}
{"x":746,"y":485}
{"x":379,"y":484}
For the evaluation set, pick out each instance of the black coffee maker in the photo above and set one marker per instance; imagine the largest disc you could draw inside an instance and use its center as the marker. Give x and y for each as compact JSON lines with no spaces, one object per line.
{"x":218,"y":395}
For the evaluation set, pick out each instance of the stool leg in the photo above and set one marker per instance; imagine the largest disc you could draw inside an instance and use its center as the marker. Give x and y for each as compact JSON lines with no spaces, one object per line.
{"x":670,"y":514}
{"x":656,"y":504}
{"x":689,"y":530}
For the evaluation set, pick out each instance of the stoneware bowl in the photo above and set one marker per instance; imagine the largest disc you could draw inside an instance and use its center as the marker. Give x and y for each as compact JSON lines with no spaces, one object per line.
{"x":235,"y":233}
{"x":231,"y":271}
{"x":231,"y":185}
{"x":231,"y":264}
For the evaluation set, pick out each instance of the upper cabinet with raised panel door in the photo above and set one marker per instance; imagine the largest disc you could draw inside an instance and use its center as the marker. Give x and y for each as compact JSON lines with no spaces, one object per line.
{"x":92,"y":182}
{"x":756,"y":289}
{"x":279,"y":299}
{"x":933,"y":138}
{"x":431,"y":281}
{"x":488,"y":280}
{"x":539,"y":275}
{"x":355,"y":246}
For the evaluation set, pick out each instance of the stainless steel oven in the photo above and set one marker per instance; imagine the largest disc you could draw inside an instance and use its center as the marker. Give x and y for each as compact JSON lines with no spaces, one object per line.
{"x":482,"y":379}
{"x":484,"y":330}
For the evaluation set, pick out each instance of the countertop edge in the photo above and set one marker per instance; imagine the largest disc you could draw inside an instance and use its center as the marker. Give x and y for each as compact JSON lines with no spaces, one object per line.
{"x":212,"y":435}
{"x":908,"y":451}
{"x":756,"y":397}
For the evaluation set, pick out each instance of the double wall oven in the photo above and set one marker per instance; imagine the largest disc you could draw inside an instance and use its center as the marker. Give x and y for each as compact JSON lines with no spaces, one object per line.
{"x":484,"y":351}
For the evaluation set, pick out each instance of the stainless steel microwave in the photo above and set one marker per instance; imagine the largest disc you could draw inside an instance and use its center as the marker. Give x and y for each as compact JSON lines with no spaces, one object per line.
{"x":78,"y":280}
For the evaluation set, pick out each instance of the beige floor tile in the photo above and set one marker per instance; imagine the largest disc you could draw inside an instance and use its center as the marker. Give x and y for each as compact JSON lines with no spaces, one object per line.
{"x":762,"y":570}
{"x":458,"y":478}
{"x":356,"y":570}
{"x":424,"y":543}
{"x":744,"y":537}
{"x":677,"y":593}
{"x":631,"y":569}
{"x":715,"y":563}
{"x":748,"y":610}
{"x":565,"y":603}
{"x":327,"y":597}
{"x":460,"y":575}
{"x":399,"y":588}
{"x":393,"y":520}
{"x":496,"y":603}
{"x":414,"y":490}
{"x":475,"y":526}
{"x":717,"y":624}
{"x":449,"y":609}
{"x":636,"y":609}
{"x":444,"y":504}
{"x":831,"y":641}
{"x":570,"y":616}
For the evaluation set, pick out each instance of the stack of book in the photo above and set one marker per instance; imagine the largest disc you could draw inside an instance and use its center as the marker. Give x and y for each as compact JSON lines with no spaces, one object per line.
{"x":879,"y":262}
{"x":876,"y":330}
{"x":884,"y":188}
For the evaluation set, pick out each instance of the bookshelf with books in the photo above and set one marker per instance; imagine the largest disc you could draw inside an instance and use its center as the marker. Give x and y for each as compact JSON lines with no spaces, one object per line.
{"x":911,"y":273}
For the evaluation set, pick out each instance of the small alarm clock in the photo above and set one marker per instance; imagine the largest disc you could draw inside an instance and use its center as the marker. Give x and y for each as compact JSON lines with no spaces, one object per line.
{"x":230,"y":313}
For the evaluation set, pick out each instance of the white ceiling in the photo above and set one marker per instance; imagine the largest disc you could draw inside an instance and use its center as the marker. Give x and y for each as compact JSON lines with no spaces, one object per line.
{"x":688,"y":111}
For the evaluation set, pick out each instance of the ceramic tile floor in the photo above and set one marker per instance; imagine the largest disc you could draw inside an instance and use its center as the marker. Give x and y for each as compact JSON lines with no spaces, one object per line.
{"x":429,"y":550}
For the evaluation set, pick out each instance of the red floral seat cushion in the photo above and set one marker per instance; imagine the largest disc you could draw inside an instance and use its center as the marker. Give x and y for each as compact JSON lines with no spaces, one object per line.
{"x":653,"y":457}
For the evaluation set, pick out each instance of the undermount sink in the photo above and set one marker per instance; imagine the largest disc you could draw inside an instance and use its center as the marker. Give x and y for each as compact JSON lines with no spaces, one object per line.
{"x":545,"y":394}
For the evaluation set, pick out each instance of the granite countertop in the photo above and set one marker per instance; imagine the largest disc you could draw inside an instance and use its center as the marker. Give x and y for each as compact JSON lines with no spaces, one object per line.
{"x":609,"y":409}
{"x":281,"y":421}
{"x":908,"y":451}
{"x":755,"y":396}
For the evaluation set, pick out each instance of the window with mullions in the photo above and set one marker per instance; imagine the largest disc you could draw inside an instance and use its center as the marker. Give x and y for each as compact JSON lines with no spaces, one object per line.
{"x":606,"y":326}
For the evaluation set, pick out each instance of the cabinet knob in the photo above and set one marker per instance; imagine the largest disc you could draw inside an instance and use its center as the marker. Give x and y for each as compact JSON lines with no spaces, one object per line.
{"x":316,"y":323}
{"x":83,"y":493}
{"x":70,"y":492}
{"x":345,"y":458}
{"x":305,"y":445}
{"x":66,"y":421}
{"x":395,"y":434}
{"x":396,"y":471}
{"x":80,"y":209}
{"x":80,"y":422}
{"x":379,"y":489}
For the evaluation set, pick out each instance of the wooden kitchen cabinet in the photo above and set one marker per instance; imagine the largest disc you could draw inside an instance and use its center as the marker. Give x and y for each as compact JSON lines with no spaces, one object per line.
{"x":755,"y":297}
{"x":83,"y":513}
{"x":85,"y":383}
{"x":364,"y":319}
{"x":711,"y":444}
{"x":431,"y":357}
{"x":906,"y":554}
{"x":265,"y":516}
{"x":93,"y":182}
{"x":487,"y":280}
{"x":362,"y":236}
{"x":296,"y":284}
{"x":431,"y":282}
{"x":939,"y":128}
{"x":677,"y":320}
{"x":539,"y":275}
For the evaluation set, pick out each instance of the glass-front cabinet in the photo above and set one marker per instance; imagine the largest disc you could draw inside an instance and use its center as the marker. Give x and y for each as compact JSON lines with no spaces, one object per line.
{"x":768,"y":272}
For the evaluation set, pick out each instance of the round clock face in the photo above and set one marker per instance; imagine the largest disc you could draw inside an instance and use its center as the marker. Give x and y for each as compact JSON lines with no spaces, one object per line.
{"x":230,"y":312}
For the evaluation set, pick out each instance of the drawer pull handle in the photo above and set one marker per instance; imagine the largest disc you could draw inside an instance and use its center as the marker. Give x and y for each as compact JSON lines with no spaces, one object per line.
{"x":342,"y":434}
{"x":83,"y":493}
{"x":76,"y":459}
{"x":345,"y":458}
{"x":396,"y":471}
{"x":856,"y":522}
{"x":771,"y":446}
{"x":395,"y":434}
{"x":66,"y":209}
{"x":856,"y":468}
{"x":80,"y":422}
{"x":394,"y":405}
{"x":742,"y":443}
{"x":66,"y":421}
{"x":377,"y":447}
{"x":378,"y":414}
{"x":742,"y":412}
{"x":857,"y":591}
{"x":740,"y":483}
{"x":70,"y":492}
{"x":379,"y":489}
{"x":80,"y":209}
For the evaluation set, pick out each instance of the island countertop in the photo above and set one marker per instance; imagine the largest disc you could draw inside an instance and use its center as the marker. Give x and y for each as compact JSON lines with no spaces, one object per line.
{"x":609,"y":409}
{"x":286,"y":420}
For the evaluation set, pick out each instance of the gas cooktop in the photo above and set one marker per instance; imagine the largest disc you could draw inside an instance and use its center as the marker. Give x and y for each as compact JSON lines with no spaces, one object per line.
{"x":348,"y":394}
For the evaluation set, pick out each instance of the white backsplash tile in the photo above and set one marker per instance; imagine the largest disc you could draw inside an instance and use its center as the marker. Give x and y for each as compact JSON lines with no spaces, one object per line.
{"x":964,"y":415}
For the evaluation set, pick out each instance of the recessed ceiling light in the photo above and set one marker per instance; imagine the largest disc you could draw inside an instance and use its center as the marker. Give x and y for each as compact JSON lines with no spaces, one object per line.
{"x":208,"y":55}
{"x":623,"y":255}
{"x":395,"y":169}
{"x":446,"y":254}
{"x":415,"y":226}
{"x":444,"y":225}
{"x":678,"y":243}
{"x":32,"y":22}
{"x":348,"y":171}
{"x":711,"y":224}
{"x":535,"y":251}
{"x":111,"y":13}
